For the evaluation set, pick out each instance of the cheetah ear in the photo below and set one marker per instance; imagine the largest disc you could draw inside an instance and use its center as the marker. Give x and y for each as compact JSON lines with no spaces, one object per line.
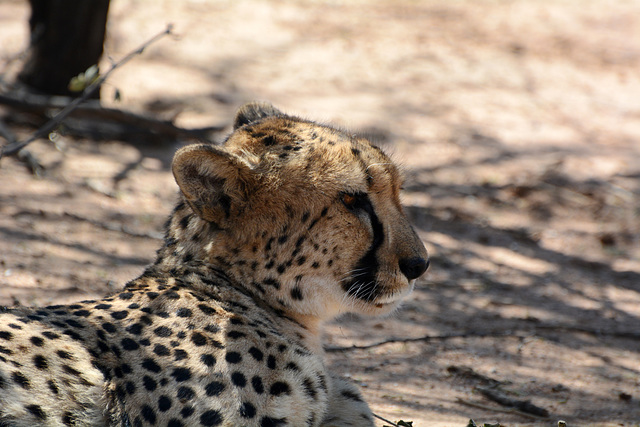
{"x":255,"y":111}
{"x":214,"y":182}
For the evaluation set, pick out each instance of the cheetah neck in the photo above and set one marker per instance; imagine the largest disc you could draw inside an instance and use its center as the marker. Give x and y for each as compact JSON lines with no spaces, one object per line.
{"x":187,"y":254}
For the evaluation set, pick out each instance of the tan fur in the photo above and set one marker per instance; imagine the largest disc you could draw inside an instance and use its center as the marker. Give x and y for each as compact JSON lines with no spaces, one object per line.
{"x":287,"y":225}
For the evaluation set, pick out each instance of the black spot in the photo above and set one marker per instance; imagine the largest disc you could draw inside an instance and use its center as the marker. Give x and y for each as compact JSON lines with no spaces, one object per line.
{"x":179,"y":354}
{"x":51,"y":335}
{"x":185,"y":393}
{"x":206,"y":309}
{"x":82,"y":313}
{"x":21,"y":380}
{"x":281,"y":268}
{"x":292,"y":366}
{"x":211,"y":418}
{"x":315,"y":265}
{"x":279,"y":387}
{"x":109,"y":327}
{"x":175,"y":423}
{"x":163,"y":331}
{"x":309,"y":388}
{"x":131,"y":387}
{"x":256,"y":382}
{"x":296,"y":293}
{"x":214,"y":329}
{"x":37,"y":341}
{"x":40,"y":362}
{"x":37,"y":412}
{"x":184,"y":222}
{"x":68,"y":369}
{"x":271,"y":362}
{"x":267,"y":246}
{"x":272,"y":422}
{"x":53,"y":387}
{"x":129,"y":344}
{"x":148,"y":414}
{"x":161,"y":350}
{"x":73,"y":335}
{"x":181,"y":374}
{"x":149,"y":383}
{"x":119,"y":315}
{"x":208,"y":359}
{"x":184,"y":312}
{"x":187,"y":411}
{"x":271,"y":282}
{"x":233,"y":357}
{"x":103,"y":306}
{"x":238,"y":379}
{"x":135,"y":329}
{"x":164,"y":403}
{"x":151,"y":365}
{"x":214,"y":388}
{"x":269,"y":140}
{"x":247,"y":410}
{"x":236,"y":334}
{"x":256,"y":353}
{"x":198,"y":339}
{"x":351,"y":395}
{"x":125,"y":295}
{"x":68,"y":419}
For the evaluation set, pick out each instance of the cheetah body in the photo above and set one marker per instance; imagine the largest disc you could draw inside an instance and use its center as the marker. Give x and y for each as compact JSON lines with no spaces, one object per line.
{"x":286,"y":226}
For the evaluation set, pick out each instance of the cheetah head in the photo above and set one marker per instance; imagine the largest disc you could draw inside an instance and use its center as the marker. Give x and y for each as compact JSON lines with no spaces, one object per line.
{"x":305,"y":217}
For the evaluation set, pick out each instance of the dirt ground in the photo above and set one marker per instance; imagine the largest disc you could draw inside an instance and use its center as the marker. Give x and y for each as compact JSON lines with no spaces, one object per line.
{"x":518,"y":125}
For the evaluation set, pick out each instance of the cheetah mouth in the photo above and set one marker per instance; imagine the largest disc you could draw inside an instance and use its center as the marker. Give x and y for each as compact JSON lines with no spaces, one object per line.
{"x":393,"y":298}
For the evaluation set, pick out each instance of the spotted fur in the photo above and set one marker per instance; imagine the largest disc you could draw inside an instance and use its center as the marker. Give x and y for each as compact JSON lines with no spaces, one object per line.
{"x":287,"y":225}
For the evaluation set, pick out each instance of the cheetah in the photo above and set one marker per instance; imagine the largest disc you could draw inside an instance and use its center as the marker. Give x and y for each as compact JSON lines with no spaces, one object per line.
{"x":287,"y":225}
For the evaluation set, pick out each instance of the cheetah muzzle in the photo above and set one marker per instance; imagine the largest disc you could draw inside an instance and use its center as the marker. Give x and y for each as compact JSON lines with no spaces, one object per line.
{"x":282,"y":228}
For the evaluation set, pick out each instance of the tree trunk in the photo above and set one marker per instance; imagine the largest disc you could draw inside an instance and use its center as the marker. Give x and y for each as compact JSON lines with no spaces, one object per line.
{"x":67,"y":37}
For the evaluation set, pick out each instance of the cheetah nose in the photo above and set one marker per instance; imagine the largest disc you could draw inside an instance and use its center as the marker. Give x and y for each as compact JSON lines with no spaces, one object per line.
{"x":413,"y":268}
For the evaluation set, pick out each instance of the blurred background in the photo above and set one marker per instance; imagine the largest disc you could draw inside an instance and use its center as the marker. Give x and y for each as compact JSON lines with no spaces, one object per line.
{"x":517,"y":124}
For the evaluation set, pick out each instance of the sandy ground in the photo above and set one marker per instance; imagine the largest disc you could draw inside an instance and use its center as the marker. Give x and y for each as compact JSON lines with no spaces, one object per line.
{"x":518,"y":125}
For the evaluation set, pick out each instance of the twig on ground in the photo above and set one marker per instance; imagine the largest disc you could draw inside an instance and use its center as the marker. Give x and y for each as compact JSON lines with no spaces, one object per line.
{"x":425,"y":338}
{"x":111,"y":123}
{"x":509,"y":333}
{"x":391,"y":423}
{"x":521,"y":405}
{"x":115,"y":227}
{"x":494,"y":409}
{"x":12,"y":149}
{"x":30,"y":161}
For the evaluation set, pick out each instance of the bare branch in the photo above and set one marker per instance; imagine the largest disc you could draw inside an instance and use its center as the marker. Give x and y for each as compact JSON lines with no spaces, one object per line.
{"x":509,"y":333}
{"x":11,"y":149}
{"x":89,"y":115}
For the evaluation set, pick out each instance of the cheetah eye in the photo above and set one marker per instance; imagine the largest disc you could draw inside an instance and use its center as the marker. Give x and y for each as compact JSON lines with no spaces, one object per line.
{"x":354,"y":201}
{"x":349,"y":200}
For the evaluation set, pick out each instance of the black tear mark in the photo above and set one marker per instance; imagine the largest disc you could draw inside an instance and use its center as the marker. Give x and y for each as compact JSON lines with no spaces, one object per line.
{"x":363,"y":284}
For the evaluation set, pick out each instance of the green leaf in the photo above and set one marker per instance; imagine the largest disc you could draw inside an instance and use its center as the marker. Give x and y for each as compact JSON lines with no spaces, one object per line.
{"x":84,"y":80}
